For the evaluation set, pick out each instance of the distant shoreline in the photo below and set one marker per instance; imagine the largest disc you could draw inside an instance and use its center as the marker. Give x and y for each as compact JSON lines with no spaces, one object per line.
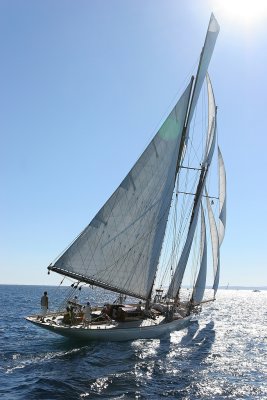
{"x":224,"y":287}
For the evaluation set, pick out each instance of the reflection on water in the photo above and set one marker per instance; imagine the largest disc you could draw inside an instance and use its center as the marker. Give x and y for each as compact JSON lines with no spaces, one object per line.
{"x":173,"y":357}
{"x":191,"y":331}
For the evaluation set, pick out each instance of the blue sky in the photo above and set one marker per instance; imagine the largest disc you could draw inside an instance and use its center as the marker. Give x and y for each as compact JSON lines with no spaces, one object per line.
{"x":85,"y":84}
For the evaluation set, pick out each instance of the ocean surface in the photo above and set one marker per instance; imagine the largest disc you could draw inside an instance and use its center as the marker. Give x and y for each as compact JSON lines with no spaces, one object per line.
{"x":222,"y":355}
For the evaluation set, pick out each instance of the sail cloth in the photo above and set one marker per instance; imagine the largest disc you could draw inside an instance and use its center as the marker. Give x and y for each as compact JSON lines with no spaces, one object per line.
{"x":214,"y":244}
{"x":199,"y":288}
{"x":222,"y":197}
{"x":210,"y":40}
{"x":211,"y":114}
{"x":120,"y":248}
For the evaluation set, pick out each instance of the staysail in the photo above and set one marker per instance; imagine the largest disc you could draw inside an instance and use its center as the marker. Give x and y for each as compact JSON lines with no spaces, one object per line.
{"x":222,"y":217}
{"x":214,"y":244}
{"x":199,"y":288}
{"x":120,"y":248}
{"x":222,"y":196}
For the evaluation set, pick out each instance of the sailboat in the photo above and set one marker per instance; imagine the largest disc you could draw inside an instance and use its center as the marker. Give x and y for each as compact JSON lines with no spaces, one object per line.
{"x":122,"y":249}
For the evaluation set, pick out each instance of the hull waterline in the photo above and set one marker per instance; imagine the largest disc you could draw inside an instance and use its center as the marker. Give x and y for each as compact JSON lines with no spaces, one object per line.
{"x":114,"y":333}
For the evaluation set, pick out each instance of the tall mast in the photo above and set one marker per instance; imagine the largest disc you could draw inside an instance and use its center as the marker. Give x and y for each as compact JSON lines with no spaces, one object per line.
{"x":176,"y":281}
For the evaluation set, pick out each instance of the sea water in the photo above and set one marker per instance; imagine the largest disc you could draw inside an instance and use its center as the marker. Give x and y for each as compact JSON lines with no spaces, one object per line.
{"x":221,"y":355}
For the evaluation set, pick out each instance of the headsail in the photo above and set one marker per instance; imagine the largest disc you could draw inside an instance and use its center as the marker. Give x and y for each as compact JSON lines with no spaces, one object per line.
{"x":222,"y":216}
{"x":222,"y":196}
{"x":199,"y":288}
{"x":210,"y":40}
{"x":120,"y":248}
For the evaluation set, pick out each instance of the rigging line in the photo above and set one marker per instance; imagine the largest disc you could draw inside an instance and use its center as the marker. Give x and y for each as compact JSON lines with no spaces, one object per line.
{"x":171,"y":229}
{"x":165,"y":248}
{"x":193,"y":137}
{"x":188,"y":152}
{"x":164,"y":271}
{"x":195,"y":169}
{"x":187,"y":219}
{"x":166,"y":258}
{"x":195,"y":149}
{"x":186,"y":209}
{"x":193,"y":194}
{"x":176,"y":251}
{"x":175,"y":226}
{"x":183,"y":205}
{"x":64,"y":302}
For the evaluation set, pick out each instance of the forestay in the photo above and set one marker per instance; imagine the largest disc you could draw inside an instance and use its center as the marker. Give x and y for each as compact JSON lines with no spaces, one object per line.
{"x":120,"y":248}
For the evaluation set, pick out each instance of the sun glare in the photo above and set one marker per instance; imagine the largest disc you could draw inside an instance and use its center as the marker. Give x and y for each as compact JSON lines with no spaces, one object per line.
{"x":245,"y":12}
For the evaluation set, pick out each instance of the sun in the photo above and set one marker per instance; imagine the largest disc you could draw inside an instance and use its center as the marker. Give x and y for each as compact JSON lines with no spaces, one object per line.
{"x":245,"y":12}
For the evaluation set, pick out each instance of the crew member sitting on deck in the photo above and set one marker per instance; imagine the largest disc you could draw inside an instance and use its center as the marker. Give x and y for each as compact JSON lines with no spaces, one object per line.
{"x":68,"y":316}
{"x":106,"y":311}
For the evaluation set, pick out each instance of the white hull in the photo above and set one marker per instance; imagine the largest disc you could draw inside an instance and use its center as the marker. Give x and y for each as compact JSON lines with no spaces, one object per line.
{"x":115,"y":332}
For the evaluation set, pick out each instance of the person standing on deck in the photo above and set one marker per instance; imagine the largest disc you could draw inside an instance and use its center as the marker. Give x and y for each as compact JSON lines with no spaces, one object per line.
{"x":87,"y":314}
{"x":44,"y":305}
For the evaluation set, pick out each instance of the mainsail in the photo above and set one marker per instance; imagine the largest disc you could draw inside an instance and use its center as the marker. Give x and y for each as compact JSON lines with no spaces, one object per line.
{"x":120,"y":248}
